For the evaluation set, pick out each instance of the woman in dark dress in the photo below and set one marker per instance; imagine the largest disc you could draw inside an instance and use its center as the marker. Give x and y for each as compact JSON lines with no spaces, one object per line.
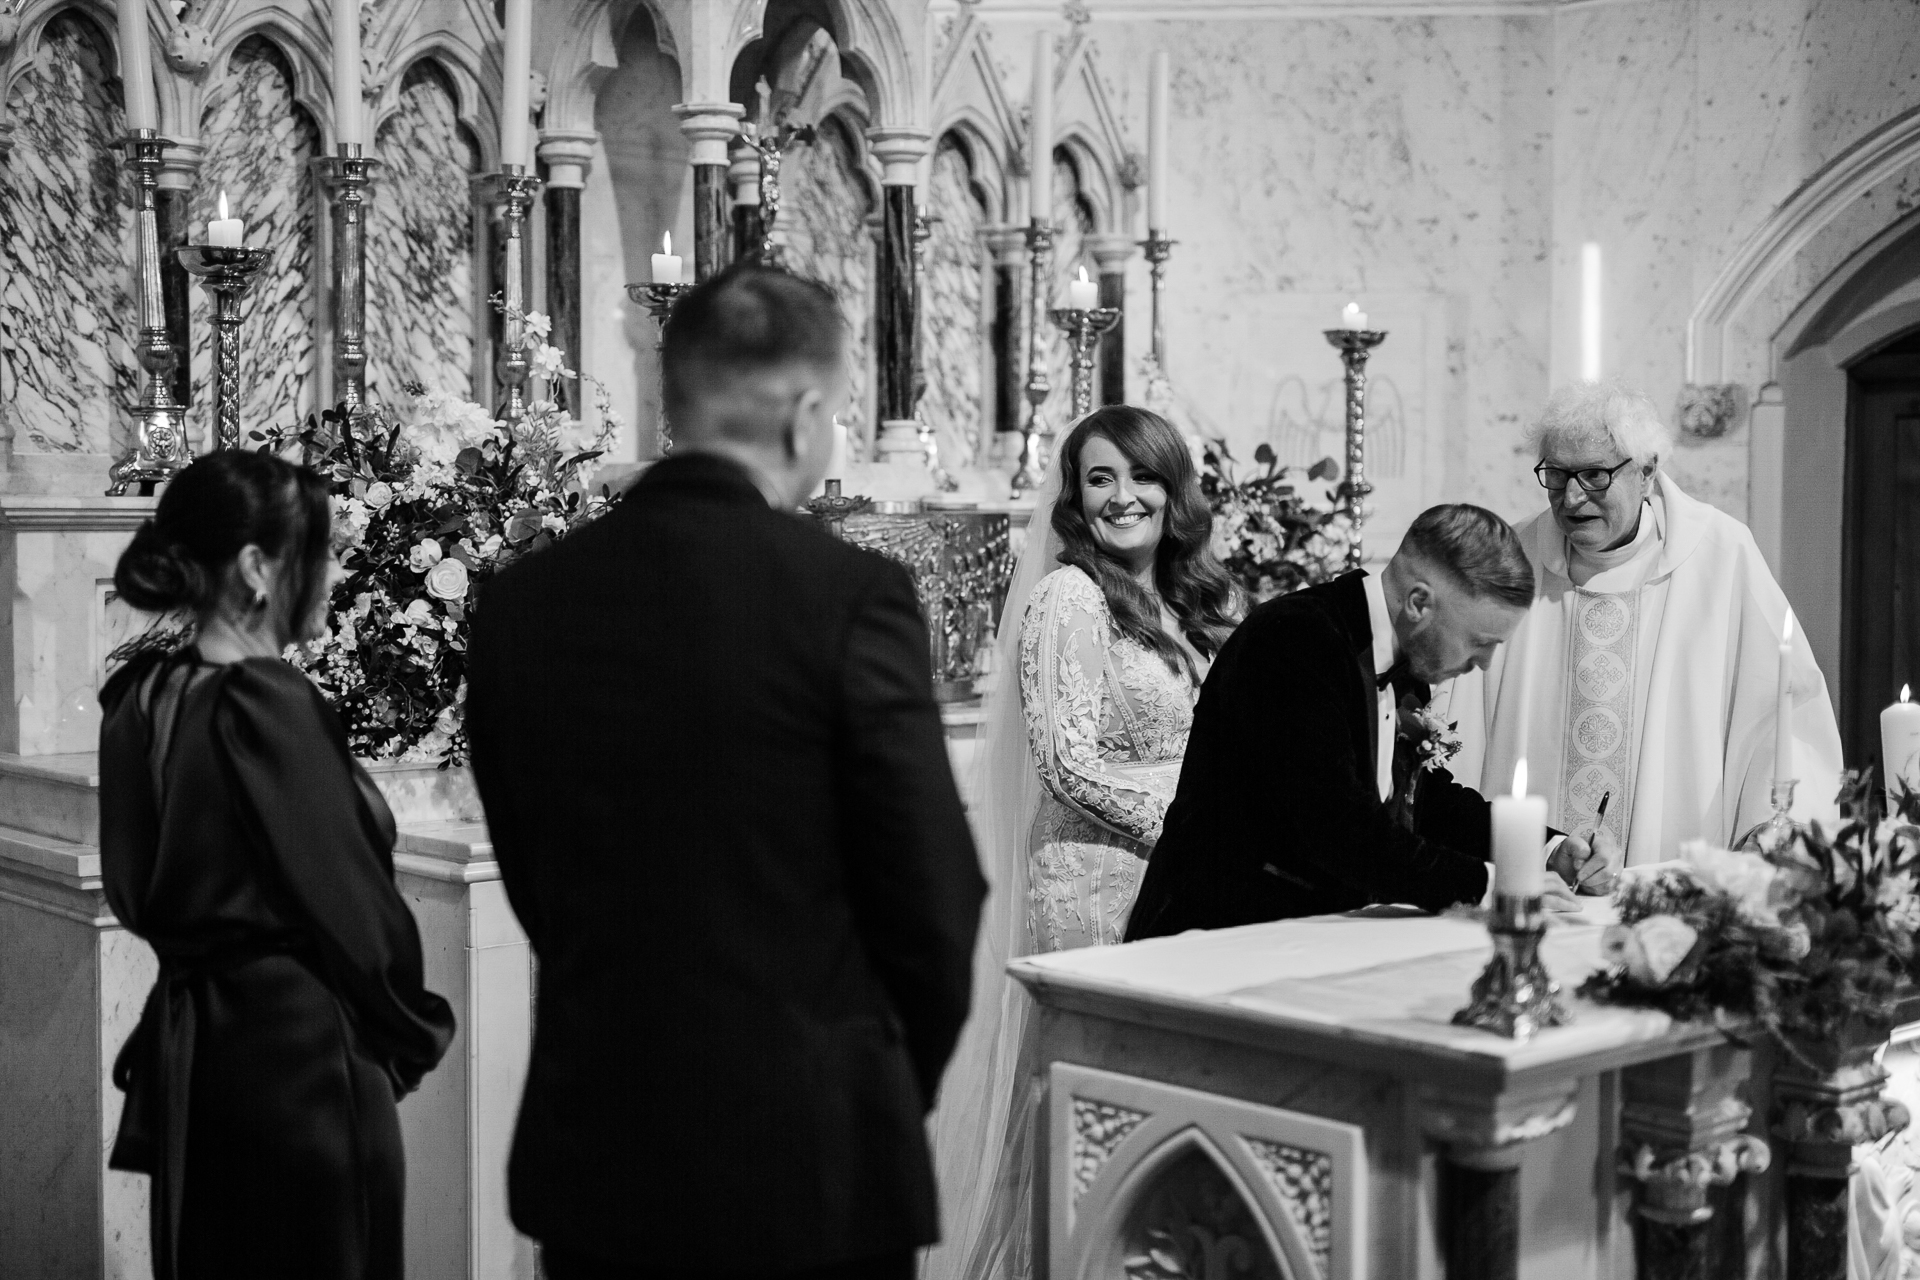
{"x":240,"y":839}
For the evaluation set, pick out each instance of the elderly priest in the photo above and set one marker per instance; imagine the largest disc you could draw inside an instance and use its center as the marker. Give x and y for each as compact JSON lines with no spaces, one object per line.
{"x":1642,"y":687}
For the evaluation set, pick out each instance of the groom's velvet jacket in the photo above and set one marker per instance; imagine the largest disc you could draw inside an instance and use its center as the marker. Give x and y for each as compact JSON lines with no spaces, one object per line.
{"x":1278,"y":812}
{"x":719,"y":792}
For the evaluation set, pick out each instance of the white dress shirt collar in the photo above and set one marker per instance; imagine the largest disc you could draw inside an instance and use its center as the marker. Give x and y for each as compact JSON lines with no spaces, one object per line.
{"x":1382,"y":622}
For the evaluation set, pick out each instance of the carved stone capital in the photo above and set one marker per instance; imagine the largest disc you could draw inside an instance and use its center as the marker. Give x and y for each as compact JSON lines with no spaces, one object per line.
{"x":1488,"y":1133}
{"x":180,"y":166}
{"x":1676,"y":1188}
{"x":568,"y":155}
{"x":711,"y":127}
{"x":743,"y":174}
{"x":900,"y":152}
{"x":1009,"y":246}
{"x":1110,"y":251}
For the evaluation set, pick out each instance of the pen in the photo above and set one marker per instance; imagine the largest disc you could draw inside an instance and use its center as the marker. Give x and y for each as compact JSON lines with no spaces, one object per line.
{"x":1599,"y":816}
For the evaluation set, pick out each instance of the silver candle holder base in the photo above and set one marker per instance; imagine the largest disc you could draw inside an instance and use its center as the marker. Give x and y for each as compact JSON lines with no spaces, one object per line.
{"x":1515,"y":996}
{"x":1036,"y":441}
{"x":226,"y":273}
{"x":1084,"y":329}
{"x":160,"y":447}
{"x":1776,"y":831}
{"x":1354,"y":346}
{"x":660,"y":300}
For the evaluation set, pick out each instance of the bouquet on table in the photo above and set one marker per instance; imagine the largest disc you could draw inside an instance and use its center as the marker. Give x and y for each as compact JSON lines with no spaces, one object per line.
{"x":429,"y":500}
{"x":1267,"y":532}
{"x":1809,"y":938}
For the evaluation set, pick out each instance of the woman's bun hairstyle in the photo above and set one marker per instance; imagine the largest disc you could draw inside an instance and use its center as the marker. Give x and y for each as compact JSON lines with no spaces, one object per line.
{"x":154,"y":577}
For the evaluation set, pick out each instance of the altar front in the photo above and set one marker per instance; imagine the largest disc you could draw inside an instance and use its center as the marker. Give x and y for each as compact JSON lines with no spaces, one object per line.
{"x":1292,"y":1100}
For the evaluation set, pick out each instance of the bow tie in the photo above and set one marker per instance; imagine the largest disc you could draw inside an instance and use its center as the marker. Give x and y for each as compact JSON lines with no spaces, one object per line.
{"x":1401,"y":677}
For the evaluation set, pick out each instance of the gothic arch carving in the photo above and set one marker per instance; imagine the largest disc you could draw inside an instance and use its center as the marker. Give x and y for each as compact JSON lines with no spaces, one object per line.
{"x":1088,"y":127}
{"x":303,"y":47}
{"x":475,"y":108}
{"x":876,"y":50}
{"x":587,"y":52}
{"x":33,"y":22}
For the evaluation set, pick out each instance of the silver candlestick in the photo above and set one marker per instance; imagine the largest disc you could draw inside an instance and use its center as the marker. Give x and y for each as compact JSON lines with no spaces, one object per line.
{"x":1158,"y":249}
{"x":660,"y":300}
{"x":1777,"y":830}
{"x":1354,"y":345}
{"x":516,"y":189}
{"x":1515,"y":996}
{"x":1084,"y":329}
{"x":1036,"y":439}
{"x":348,"y":175}
{"x":228,"y":274}
{"x":160,"y":446}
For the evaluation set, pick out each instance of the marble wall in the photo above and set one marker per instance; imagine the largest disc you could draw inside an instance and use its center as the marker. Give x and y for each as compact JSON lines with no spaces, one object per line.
{"x":67,"y":315}
{"x":826,"y":203}
{"x":953,"y":322}
{"x":420,"y":269}
{"x":260,"y":148}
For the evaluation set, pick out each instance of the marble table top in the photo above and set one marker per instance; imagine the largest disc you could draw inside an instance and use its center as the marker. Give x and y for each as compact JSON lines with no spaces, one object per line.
{"x":1372,"y":990}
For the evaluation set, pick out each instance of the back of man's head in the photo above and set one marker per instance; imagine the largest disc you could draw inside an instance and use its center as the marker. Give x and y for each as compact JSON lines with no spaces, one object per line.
{"x":741,"y":347}
{"x":1478,"y":549}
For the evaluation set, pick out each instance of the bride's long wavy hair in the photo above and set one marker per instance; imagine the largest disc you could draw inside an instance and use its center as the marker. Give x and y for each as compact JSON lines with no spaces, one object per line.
{"x":1189,"y":578}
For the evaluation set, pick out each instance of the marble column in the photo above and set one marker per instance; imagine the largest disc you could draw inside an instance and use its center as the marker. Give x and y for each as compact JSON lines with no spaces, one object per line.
{"x":178,"y":174}
{"x":1110,"y":252}
{"x":1682,"y":1138}
{"x":748,"y":229}
{"x":710,"y":128}
{"x":1483,"y":1141}
{"x":899,"y":152}
{"x":569,"y":158}
{"x":1009,"y":248}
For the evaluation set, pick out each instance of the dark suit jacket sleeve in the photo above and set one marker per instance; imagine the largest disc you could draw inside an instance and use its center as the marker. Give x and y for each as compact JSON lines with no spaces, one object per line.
{"x":487,"y":737}
{"x":1340,"y":830}
{"x":1454,"y":815}
{"x":912,"y":873}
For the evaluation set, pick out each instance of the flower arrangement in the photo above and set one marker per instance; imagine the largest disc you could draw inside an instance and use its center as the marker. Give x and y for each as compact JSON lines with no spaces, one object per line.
{"x":1267,"y":533}
{"x":429,"y":502}
{"x":1807,"y":938}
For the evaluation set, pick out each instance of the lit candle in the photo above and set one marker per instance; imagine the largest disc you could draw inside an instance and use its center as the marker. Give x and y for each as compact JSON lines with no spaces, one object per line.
{"x":666,"y":263}
{"x":136,"y":65}
{"x":1783,"y":707}
{"x":1519,"y":836}
{"x":1083,"y":294}
{"x":346,"y":73}
{"x":1352,"y":317}
{"x":225,"y":231}
{"x":1900,"y":742}
{"x":1159,"y":156}
{"x":1040,"y":137}
{"x":517,"y":75}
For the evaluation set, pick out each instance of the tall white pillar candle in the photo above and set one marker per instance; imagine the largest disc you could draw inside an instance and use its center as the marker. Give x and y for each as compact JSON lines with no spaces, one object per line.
{"x":1352,"y":317}
{"x":1159,"y":135}
{"x":517,"y":74}
{"x":1040,"y":137}
{"x":225,"y":231}
{"x":1083,"y":294}
{"x":1783,"y":707}
{"x":136,"y":65}
{"x":1519,"y":839}
{"x":1900,"y":742}
{"x":667,"y":264}
{"x":347,"y":110}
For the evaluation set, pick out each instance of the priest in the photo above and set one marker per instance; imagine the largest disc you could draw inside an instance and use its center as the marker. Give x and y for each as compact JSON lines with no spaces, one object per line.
{"x":1641,"y":689}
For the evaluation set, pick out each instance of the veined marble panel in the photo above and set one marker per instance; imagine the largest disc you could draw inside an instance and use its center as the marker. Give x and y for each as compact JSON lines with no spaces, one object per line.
{"x":1072,"y":223}
{"x":953,"y":329}
{"x":825,"y":202}
{"x":420,"y":274}
{"x":260,"y":147}
{"x":69,"y":313}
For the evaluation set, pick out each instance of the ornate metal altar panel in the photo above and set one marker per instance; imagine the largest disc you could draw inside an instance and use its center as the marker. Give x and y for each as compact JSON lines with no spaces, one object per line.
{"x":960,"y":563}
{"x":1150,"y":1181}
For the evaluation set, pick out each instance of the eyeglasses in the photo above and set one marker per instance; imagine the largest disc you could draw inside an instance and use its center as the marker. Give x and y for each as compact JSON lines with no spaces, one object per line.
{"x":1592,"y":479}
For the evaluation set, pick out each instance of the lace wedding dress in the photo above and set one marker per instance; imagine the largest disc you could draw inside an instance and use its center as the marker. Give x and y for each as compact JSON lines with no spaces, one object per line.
{"x":1107,"y":722}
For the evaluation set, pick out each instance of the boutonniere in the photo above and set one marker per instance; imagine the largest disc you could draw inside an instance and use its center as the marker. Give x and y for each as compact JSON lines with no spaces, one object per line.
{"x":1430,"y":738}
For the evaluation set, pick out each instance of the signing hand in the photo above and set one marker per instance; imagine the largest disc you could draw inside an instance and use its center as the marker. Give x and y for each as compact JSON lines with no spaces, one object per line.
{"x":1589,"y":863}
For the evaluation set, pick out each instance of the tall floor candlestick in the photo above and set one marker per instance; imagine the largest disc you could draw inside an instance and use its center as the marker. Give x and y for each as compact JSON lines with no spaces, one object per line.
{"x":1354,"y":345}
{"x":348,"y":175}
{"x":516,"y":188}
{"x":1158,"y":249}
{"x":228,"y":273}
{"x":1036,"y":439}
{"x":659,"y":300}
{"x":160,"y":445}
{"x":1084,"y":328}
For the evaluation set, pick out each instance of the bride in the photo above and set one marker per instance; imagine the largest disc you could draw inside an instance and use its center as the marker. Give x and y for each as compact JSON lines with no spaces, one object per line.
{"x":1116,"y":609}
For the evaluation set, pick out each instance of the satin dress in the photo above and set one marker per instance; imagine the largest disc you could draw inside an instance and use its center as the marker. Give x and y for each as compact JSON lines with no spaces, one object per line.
{"x":1107,"y":722}
{"x":240,"y":839}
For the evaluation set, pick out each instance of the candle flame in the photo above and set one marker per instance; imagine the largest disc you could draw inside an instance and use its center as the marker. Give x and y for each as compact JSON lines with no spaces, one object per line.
{"x":1520,"y":778}
{"x":666,"y":243}
{"x":1906,"y":693}
{"x":224,"y":215}
{"x":1083,"y":274}
{"x":1786,"y":632}
{"x":1352,"y":308}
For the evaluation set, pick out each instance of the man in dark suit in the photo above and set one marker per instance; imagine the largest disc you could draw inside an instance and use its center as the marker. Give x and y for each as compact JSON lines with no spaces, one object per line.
{"x":1292,"y":797}
{"x":718,"y":789}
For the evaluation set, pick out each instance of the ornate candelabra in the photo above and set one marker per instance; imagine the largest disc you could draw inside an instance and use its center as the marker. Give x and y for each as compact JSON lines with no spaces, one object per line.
{"x":1158,"y":249}
{"x":1036,"y":439}
{"x":660,"y":300}
{"x":516,"y":188}
{"x":832,"y":508}
{"x":1776,"y":830}
{"x":1083,"y":332}
{"x":1354,"y":345}
{"x":160,"y":446}
{"x":228,"y":274}
{"x":1514,"y":996}
{"x":348,"y":175}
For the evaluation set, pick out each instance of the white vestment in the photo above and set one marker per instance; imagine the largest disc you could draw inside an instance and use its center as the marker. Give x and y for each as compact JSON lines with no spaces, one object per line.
{"x":1654,"y":678}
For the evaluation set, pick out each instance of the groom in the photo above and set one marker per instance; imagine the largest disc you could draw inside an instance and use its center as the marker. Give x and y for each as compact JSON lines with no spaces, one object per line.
{"x":1292,"y":794}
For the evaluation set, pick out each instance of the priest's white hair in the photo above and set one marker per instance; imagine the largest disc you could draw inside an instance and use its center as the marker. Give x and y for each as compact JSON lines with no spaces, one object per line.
{"x":1602,"y":410}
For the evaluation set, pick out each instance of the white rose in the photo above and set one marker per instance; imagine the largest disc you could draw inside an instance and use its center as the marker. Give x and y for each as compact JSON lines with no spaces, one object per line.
{"x":447,"y":580}
{"x":490,"y":548}
{"x":448,"y":721}
{"x":425,"y":554}
{"x":419,"y":613}
{"x":379,"y":494}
